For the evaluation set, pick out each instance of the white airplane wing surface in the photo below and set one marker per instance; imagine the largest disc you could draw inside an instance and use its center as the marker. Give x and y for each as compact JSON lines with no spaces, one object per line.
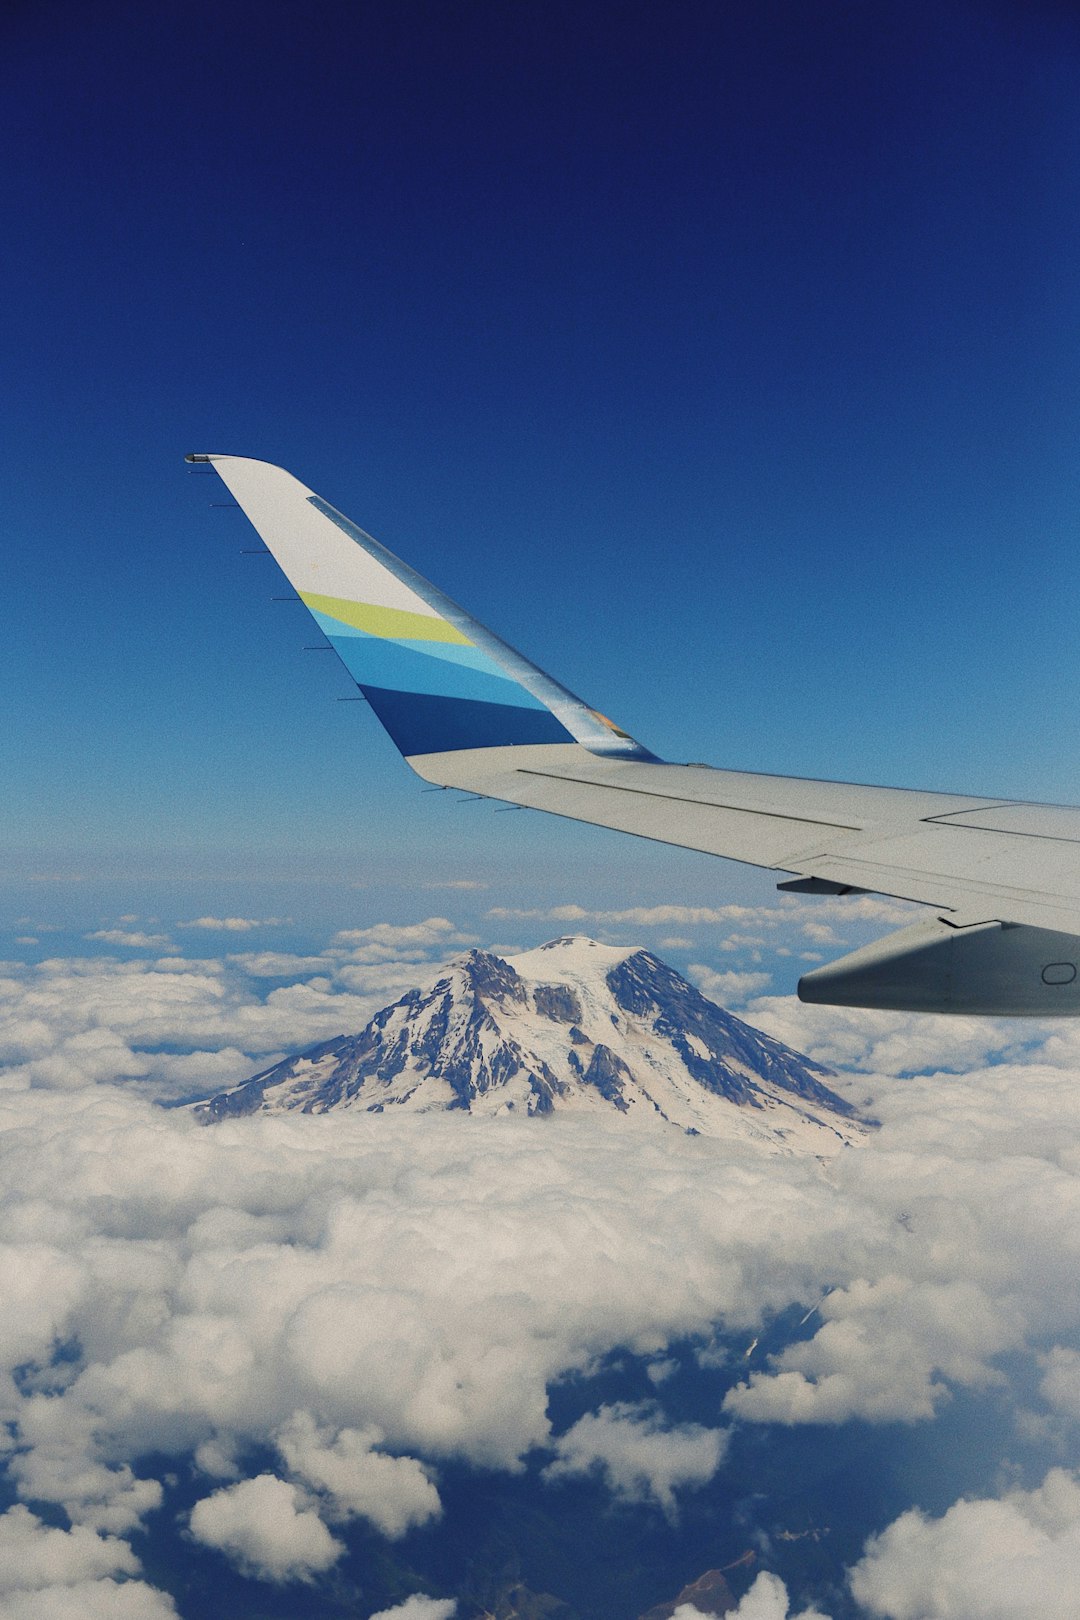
{"x":467,"y":711}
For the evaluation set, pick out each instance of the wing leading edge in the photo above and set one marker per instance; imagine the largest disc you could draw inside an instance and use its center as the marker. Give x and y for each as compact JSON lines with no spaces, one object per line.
{"x":467,"y":711}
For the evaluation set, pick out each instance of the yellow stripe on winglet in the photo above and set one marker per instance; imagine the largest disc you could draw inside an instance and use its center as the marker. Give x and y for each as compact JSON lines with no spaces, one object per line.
{"x":393,"y":624}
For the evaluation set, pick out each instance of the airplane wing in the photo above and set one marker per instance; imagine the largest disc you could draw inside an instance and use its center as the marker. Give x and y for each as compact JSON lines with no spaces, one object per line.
{"x":467,"y":711}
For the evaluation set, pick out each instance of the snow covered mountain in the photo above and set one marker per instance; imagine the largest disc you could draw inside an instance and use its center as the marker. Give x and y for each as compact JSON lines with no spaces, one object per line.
{"x":570,"y":1026}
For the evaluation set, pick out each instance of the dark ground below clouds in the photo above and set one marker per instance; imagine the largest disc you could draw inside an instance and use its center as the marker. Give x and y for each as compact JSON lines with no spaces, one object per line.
{"x":804,"y":1499}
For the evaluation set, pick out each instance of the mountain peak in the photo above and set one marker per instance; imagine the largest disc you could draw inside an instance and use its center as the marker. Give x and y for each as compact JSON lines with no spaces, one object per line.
{"x":570,"y":1026}
{"x":570,"y":953}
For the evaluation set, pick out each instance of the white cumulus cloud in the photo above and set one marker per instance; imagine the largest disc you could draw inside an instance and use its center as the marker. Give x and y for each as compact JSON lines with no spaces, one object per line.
{"x":419,"y":1608}
{"x":641,"y":1455}
{"x":901,"y":1043}
{"x":261,"y":1525}
{"x":59,"y":1463}
{"x":47,"y":1572}
{"x":34,"y":1555}
{"x":280,"y":964}
{"x":395,"y":1493}
{"x":232,"y":925}
{"x":91,"y":1600}
{"x":727,"y":988}
{"x":790,"y":914}
{"x":1061,"y":1380}
{"x":1016,"y":1558}
{"x":70,"y":1022}
{"x":391,"y":936}
{"x":767,"y":1599}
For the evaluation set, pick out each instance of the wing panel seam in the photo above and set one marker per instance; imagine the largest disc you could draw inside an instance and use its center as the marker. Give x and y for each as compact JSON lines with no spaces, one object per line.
{"x":1000,"y":832}
{"x":962,"y":884}
{"x":699,"y":804}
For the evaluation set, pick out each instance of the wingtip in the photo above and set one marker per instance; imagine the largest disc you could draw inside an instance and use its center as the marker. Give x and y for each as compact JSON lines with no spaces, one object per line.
{"x":194,"y":457}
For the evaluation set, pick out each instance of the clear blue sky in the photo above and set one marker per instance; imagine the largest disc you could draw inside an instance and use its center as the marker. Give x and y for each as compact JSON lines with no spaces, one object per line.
{"x":723,"y":357}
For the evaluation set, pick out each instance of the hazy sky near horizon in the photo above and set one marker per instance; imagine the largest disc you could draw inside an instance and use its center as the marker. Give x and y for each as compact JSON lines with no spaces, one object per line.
{"x":721,"y":357}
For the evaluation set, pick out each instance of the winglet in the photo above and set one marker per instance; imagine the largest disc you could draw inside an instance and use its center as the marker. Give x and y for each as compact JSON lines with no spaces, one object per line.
{"x":436,"y":678}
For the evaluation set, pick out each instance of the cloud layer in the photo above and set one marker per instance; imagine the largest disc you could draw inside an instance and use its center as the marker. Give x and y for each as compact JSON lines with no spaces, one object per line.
{"x":74,"y":1021}
{"x":360,"y":1300}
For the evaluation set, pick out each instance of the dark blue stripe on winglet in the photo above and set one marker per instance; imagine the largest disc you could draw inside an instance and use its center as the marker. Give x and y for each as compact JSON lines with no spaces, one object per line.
{"x":420,"y":724}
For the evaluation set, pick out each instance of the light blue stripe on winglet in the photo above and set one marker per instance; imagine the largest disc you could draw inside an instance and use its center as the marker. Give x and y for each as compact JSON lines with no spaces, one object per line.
{"x":396,"y":667}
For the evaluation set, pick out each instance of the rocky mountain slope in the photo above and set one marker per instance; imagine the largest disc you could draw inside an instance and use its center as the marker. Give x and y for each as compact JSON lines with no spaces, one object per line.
{"x":572,"y":1026}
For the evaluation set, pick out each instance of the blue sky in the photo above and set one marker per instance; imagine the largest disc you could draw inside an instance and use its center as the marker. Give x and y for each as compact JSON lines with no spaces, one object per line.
{"x":721,"y":358}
